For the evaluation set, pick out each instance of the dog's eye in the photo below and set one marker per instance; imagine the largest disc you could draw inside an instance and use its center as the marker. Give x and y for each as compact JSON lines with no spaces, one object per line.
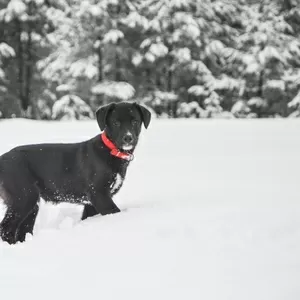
{"x":134,"y":122}
{"x":116,"y":123}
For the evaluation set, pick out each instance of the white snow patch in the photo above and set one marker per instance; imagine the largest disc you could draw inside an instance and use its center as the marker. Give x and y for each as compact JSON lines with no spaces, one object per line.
{"x":116,"y":184}
{"x":6,"y":50}
{"x":71,"y":107}
{"x":158,"y":50}
{"x":121,"y":90}
{"x":113,"y":36}
{"x":212,"y":216}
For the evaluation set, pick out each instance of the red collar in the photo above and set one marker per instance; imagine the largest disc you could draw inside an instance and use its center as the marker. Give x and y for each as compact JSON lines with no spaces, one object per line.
{"x":114,"y":150}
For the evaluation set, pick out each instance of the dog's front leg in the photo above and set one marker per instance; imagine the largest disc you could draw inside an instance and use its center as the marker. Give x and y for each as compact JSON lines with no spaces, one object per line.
{"x":103,"y":203}
{"x":88,"y":211}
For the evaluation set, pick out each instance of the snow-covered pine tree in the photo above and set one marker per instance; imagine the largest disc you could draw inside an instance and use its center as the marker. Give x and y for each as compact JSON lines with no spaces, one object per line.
{"x":94,"y":50}
{"x":25,"y":24}
{"x":71,"y":107}
{"x":168,"y":52}
{"x":190,"y":44}
{"x":272,"y":55}
{"x":6,"y":53}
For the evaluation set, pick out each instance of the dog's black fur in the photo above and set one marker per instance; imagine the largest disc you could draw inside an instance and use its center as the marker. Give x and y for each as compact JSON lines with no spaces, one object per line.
{"x":82,"y":173}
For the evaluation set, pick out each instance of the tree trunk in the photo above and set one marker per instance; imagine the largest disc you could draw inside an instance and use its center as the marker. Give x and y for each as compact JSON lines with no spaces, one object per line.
{"x":261,"y":7}
{"x":118,"y":66}
{"x":29,"y":66}
{"x":20,"y":54}
{"x":170,"y":71}
{"x":260,"y":90}
{"x":100,"y":65}
{"x":287,"y":5}
{"x":170,"y":58}
{"x":2,"y":31}
{"x":261,"y":83}
{"x":118,"y":74}
{"x":158,"y":83}
{"x":149,"y":85}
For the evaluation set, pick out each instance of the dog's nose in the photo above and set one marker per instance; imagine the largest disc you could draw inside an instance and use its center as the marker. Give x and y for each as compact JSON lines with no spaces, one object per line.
{"x":128,"y":138}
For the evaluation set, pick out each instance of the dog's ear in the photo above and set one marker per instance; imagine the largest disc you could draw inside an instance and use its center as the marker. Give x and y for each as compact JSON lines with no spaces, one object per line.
{"x":102,"y":113}
{"x":145,"y":114}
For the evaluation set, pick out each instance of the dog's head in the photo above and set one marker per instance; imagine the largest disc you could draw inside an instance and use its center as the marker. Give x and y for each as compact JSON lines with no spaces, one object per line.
{"x":122,"y":123}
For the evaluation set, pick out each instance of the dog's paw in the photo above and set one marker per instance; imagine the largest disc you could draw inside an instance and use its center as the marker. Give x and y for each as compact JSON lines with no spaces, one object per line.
{"x":8,"y":236}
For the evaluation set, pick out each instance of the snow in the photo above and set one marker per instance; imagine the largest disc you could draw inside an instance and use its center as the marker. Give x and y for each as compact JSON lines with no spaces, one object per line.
{"x":240,"y":107}
{"x":165,"y":96}
{"x":294,"y":47}
{"x":137,"y":58}
{"x":71,"y":107}
{"x":83,"y":67}
{"x":146,"y":43}
{"x":188,"y":25}
{"x":121,"y":89}
{"x":210,"y":210}
{"x":215,"y":47}
{"x":200,"y":67}
{"x":158,"y":50}
{"x":6,"y":50}
{"x":190,"y":109}
{"x":134,"y":20}
{"x":227,"y":83}
{"x":180,"y":4}
{"x":64,"y":88}
{"x":116,"y":184}
{"x":269,"y":53}
{"x":257,"y":102}
{"x":113,"y":36}
{"x":275,"y":84}
{"x":183,"y":55}
{"x":295,"y":102}
{"x":197,"y":90}
{"x":16,"y":7}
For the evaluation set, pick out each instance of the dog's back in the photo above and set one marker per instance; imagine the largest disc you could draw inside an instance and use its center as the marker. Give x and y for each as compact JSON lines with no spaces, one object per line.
{"x":53,"y":169}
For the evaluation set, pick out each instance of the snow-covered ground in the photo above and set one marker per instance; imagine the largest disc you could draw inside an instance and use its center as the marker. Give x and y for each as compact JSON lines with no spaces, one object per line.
{"x":211,"y":210}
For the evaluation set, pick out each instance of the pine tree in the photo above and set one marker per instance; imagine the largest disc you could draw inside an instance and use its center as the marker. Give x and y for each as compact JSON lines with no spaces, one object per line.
{"x":96,"y":51}
{"x":191,"y":44}
{"x":272,"y":51}
{"x":180,"y":57}
{"x":71,"y":107}
{"x":6,"y":53}
{"x":26,"y":24}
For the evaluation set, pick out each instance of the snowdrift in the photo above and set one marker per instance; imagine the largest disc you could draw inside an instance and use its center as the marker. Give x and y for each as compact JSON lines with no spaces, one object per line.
{"x":210,"y":210}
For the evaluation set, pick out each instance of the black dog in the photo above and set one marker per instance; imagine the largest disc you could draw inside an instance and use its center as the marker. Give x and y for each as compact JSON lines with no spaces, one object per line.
{"x":88,"y":173}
